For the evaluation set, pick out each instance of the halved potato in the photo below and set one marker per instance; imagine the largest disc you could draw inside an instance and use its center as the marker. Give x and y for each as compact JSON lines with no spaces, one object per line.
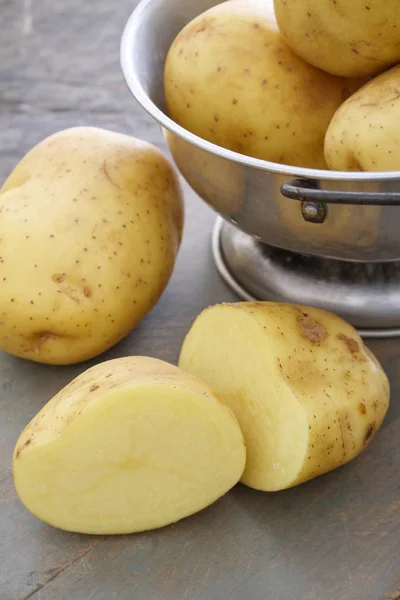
{"x":131,"y":444}
{"x":308,"y":395}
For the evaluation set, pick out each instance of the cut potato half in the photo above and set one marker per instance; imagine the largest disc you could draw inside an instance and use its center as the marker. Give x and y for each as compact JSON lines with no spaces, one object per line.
{"x":308,"y":395}
{"x":131,"y":444}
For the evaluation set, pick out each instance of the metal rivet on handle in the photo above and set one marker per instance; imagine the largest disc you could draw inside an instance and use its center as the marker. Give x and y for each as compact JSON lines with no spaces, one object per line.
{"x":313,"y":212}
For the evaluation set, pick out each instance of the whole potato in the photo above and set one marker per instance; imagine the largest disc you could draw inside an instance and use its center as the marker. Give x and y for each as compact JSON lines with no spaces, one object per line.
{"x":308,"y":395}
{"x":131,"y":444}
{"x":91,"y":222}
{"x":231,"y":79}
{"x":351,"y":38}
{"x":364,"y":134}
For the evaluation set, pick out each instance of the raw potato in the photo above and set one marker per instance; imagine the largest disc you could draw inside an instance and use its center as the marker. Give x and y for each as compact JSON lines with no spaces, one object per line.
{"x":364,"y":134}
{"x":91,"y":222}
{"x":351,"y":38}
{"x":231,"y":79}
{"x":308,"y":395}
{"x":131,"y":444}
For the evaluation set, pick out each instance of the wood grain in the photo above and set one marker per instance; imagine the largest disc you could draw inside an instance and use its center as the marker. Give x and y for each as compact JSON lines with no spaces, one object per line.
{"x":337,"y":537}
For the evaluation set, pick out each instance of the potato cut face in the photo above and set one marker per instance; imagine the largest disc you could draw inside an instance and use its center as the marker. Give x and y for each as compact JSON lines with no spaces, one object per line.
{"x":307,"y":393}
{"x":230,"y":351}
{"x":139,"y":456}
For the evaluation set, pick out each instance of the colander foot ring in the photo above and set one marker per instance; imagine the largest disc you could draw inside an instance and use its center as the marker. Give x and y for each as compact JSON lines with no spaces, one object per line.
{"x":367,"y":295}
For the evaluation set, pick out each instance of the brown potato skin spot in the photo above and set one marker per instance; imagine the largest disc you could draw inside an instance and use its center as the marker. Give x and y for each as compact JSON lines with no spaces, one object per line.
{"x":312,"y":330}
{"x":352,"y":344}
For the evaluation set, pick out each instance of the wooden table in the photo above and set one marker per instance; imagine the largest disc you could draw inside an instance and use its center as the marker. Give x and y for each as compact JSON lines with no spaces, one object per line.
{"x":335,"y":538}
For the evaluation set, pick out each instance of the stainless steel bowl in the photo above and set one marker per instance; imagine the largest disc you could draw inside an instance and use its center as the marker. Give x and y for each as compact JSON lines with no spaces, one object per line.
{"x":325,"y":214}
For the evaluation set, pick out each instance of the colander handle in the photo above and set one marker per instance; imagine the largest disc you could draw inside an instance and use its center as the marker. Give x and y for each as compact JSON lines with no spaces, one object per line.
{"x":307,"y":190}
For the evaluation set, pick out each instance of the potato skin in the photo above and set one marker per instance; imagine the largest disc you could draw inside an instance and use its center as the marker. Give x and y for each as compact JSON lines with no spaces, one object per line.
{"x":231,"y":79}
{"x":344,"y":389}
{"x":91,"y":222}
{"x":350,"y":39}
{"x":364,"y":134}
{"x":340,"y":383}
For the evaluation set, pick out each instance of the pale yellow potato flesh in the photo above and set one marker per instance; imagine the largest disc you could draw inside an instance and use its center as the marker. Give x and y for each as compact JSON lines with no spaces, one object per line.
{"x":351,"y":38}
{"x":131,"y":444}
{"x":364,"y":134}
{"x":91,"y":223}
{"x":308,"y":395}
{"x":231,"y":79}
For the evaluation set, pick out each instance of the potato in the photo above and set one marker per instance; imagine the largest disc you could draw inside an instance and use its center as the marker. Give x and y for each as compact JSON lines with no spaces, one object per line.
{"x":231,"y":79}
{"x":308,"y":395}
{"x":91,"y":222}
{"x":351,"y":38}
{"x":364,"y":134}
{"x":131,"y":444}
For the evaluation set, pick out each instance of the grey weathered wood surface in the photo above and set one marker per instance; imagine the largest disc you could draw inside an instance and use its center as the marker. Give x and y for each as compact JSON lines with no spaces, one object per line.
{"x":335,"y":538}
